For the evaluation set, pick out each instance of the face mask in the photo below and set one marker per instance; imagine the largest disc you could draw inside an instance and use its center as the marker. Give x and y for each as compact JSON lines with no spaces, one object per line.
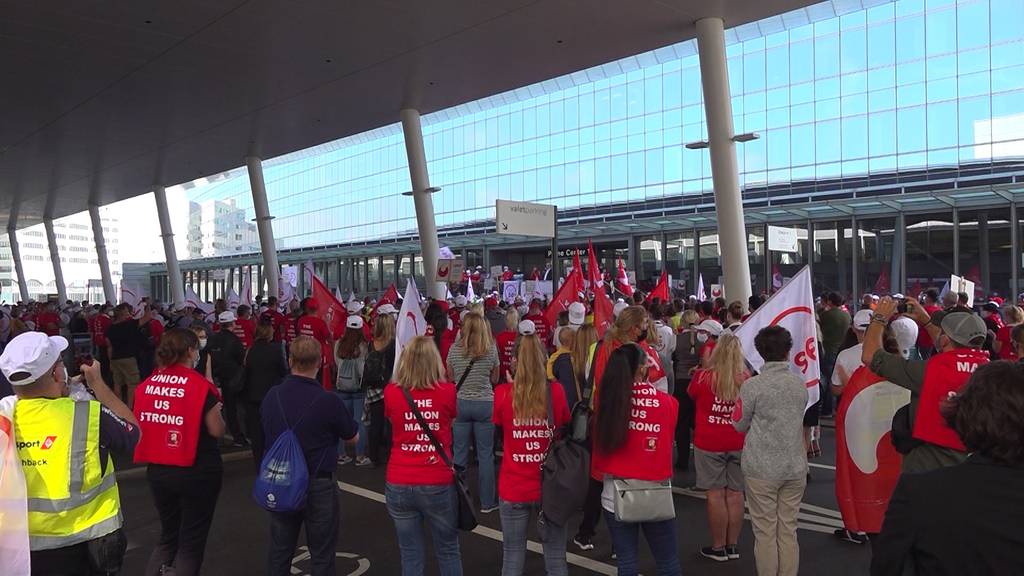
{"x":202,"y":343}
{"x":702,"y":337}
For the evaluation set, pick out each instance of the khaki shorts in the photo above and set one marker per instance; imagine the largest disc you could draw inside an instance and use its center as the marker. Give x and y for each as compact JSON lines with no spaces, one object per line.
{"x":125,"y":371}
{"x":717,"y":470}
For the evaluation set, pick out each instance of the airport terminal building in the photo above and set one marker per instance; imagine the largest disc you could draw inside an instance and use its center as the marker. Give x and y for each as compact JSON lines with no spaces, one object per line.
{"x":890,"y":136}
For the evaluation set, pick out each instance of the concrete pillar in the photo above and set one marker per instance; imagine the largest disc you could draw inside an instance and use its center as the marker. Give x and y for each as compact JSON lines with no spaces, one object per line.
{"x":170,"y":252}
{"x":271,"y":269}
{"x":58,"y":273}
{"x":732,"y":230}
{"x":19,"y":269}
{"x":425,"y":223}
{"x":101,"y":254}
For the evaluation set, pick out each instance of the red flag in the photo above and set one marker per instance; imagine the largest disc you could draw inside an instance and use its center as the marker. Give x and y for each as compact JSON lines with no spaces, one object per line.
{"x":622,"y":280}
{"x":390,"y":297}
{"x":593,"y":271}
{"x":576,"y":264}
{"x":604,"y":314}
{"x":661,"y":290}
{"x":882,"y":284}
{"x":328,"y":308}
{"x":568,"y":293}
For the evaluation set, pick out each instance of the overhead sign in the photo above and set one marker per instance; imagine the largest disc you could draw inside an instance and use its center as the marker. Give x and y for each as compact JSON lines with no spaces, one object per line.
{"x":444,"y":269}
{"x":525,"y":218}
{"x":782,"y":239}
{"x":569,"y":252}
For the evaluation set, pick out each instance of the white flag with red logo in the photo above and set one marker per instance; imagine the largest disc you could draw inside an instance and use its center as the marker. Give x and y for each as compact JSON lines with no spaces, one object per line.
{"x":792,"y":307}
{"x":14,"y":543}
{"x":410,"y":320}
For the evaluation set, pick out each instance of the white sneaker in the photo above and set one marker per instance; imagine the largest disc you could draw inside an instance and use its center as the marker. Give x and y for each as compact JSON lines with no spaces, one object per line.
{"x":488,"y":510}
{"x":345,"y":459}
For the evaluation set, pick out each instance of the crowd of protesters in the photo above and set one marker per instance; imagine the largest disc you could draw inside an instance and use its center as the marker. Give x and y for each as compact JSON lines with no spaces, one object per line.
{"x":664,"y":376}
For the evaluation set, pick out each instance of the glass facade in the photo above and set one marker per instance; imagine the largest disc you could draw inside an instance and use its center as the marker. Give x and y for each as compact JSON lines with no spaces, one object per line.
{"x":922,"y":87}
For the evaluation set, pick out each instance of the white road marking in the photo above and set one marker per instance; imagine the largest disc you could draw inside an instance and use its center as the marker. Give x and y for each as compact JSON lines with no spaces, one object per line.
{"x":822,"y":466}
{"x":574,"y":559}
{"x":814,"y":523}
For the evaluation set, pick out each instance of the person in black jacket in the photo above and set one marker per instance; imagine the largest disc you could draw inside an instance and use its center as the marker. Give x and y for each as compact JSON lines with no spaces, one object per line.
{"x":228,"y":355}
{"x":377,"y":371}
{"x":965,"y":520}
{"x":264,"y":367}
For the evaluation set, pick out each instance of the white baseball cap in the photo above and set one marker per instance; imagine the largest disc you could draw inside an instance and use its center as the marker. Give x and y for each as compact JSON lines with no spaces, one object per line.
{"x":460,"y":301}
{"x":712,"y":327}
{"x":527,"y":328}
{"x":577,"y":314}
{"x":30,"y":355}
{"x":386,"y":309}
{"x":226,"y":317}
{"x":353,"y":306}
{"x":618,"y":308}
{"x":862,"y":319}
{"x":354,"y":321}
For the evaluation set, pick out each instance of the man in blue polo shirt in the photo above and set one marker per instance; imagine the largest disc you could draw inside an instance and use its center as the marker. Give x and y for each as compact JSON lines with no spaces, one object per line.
{"x":319,"y":419}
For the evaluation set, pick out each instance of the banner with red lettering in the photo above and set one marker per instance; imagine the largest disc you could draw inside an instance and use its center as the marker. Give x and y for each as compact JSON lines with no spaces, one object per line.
{"x":661,"y":290}
{"x":568,"y":293}
{"x":622,"y":280}
{"x":328,"y":308}
{"x":792,"y":307}
{"x":867,"y":464}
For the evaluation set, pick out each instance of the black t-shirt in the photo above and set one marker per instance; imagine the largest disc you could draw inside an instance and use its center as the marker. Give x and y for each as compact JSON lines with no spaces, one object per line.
{"x":126,"y":339}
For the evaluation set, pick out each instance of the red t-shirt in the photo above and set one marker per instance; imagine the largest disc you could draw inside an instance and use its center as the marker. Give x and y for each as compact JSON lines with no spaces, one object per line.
{"x":413,"y":458}
{"x":506,"y":342}
{"x":543,"y":330}
{"x":245,"y":329}
{"x":526,"y":444}
{"x":99,"y":325}
{"x":713,"y":430}
{"x":48,"y":322}
{"x":1008,"y":350}
{"x":313,"y":327}
{"x":924,"y":339}
{"x":647,"y":452}
{"x":156,"y":331}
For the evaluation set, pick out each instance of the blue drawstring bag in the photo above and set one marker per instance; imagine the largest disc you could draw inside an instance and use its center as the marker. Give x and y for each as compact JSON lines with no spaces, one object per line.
{"x":283,"y":478}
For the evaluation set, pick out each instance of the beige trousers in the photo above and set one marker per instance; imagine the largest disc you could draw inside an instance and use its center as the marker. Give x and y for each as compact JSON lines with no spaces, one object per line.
{"x":773,"y":508}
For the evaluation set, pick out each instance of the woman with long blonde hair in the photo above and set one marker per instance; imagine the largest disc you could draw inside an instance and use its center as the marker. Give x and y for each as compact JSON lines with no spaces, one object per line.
{"x":418,"y":483}
{"x":473,"y":366}
{"x":718,"y":446}
{"x":521,"y":411}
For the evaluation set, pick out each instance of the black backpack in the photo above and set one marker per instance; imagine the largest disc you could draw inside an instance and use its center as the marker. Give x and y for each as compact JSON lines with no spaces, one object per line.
{"x":375,"y":369}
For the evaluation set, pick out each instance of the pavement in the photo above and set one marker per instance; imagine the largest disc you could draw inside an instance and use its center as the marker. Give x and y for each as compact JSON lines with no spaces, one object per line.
{"x":366,"y":542}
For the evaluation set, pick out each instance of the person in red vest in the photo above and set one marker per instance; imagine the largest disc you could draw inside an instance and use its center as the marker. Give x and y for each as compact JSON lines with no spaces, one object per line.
{"x":634,"y":425}
{"x":924,"y":438}
{"x":179,"y":414}
{"x":309,"y":324}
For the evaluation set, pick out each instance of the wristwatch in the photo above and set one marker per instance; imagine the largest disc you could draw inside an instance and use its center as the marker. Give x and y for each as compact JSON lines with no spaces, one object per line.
{"x":879,"y":318}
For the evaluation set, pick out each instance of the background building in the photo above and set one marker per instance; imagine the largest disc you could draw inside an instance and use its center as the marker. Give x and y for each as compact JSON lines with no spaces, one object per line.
{"x":219,"y":228}
{"x":77,"y":256}
{"x":888,"y":137}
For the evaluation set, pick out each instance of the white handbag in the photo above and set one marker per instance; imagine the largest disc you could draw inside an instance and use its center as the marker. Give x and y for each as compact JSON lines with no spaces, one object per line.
{"x":643,"y":500}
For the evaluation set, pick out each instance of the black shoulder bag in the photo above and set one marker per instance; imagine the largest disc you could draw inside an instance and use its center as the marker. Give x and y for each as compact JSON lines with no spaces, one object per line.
{"x":565,"y":473}
{"x":465,"y":514}
{"x":465,"y":373}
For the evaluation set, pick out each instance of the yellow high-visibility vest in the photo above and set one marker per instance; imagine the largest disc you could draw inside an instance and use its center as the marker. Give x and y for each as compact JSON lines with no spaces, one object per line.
{"x":71,"y":499}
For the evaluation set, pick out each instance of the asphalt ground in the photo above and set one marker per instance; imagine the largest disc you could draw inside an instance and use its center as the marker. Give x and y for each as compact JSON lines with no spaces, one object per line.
{"x":238,"y":539}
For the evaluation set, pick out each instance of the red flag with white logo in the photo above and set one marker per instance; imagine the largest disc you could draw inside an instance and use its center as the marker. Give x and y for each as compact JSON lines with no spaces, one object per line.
{"x":568,"y":293}
{"x":604,"y":314}
{"x":622,"y":280}
{"x":593,"y":271}
{"x":328,"y":308}
{"x":792,"y":307}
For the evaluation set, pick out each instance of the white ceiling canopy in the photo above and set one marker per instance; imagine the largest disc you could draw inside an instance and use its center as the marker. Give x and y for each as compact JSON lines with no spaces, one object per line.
{"x":100,"y":102}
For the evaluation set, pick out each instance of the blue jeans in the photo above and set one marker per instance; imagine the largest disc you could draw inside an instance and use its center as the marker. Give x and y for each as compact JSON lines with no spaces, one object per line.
{"x":408,"y":506}
{"x":660,"y":536}
{"x":515,"y":520}
{"x":354,"y":402}
{"x":321,"y":519}
{"x":474,"y":417}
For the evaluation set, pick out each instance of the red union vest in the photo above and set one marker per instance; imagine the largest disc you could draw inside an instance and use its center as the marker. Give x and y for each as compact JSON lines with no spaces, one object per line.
{"x":169,"y":407}
{"x":647,"y":452}
{"x":945,"y":374}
